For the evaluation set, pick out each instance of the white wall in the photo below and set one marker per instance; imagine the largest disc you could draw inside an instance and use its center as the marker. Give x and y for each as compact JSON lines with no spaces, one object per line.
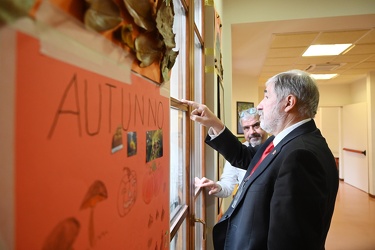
{"x":332,"y":95}
{"x":327,"y":120}
{"x":358,"y":91}
{"x":245,"y":91}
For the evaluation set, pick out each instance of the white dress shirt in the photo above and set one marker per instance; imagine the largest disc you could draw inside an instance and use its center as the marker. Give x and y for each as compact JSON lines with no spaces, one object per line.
{"x":229,"y":178}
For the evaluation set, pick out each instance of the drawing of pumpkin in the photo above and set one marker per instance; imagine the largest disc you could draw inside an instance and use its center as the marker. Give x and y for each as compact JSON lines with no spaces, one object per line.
{"x":127,"y":192}
{"x":148,"y":187}
{"x":152,"y":182}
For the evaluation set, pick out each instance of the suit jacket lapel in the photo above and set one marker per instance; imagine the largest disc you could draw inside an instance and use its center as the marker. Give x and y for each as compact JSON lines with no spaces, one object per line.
{"x":304,"y":128}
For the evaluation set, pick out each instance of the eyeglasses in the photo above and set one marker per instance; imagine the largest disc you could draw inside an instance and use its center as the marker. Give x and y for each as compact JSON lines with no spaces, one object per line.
{"x":250,"y":111}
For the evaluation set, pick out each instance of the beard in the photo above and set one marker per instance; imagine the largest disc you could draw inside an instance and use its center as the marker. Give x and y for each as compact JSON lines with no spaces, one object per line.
{"x":255,"y":141}
{"x":272,"y":120}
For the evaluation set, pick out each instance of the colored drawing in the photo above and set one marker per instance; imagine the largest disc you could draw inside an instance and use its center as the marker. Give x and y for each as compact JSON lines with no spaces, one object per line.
{"x":96,"y":193}
{"x":132,"y":143}
{"x":148,"y":187}
{"x":154,"y":144}
{"x":127,"y":192}
{"x":63,"y":235}
{"x":164,"y":239}
{"x":152,"y":182}
{"x":117,"y":140}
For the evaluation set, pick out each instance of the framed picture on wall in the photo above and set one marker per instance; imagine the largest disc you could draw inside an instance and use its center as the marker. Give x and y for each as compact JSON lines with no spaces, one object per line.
{"x":240,"y":107}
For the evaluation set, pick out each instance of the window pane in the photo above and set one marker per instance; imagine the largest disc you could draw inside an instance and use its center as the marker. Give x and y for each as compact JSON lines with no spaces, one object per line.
{"x":177,"y":154}
{"x":198,"y":10}
{"x":178,"y":73}
{"x":179,"y":240}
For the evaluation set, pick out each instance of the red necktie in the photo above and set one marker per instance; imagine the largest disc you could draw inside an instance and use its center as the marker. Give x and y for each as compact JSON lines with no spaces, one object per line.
{"x":238,"y":194}
{"x":265,"y":153}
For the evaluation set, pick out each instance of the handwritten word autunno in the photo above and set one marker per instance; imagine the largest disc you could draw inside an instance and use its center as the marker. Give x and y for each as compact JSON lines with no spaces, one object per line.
{"x":78,"y":98}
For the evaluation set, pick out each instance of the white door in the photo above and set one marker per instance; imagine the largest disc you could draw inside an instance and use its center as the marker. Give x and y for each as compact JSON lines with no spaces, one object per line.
{"x":355,"y":162}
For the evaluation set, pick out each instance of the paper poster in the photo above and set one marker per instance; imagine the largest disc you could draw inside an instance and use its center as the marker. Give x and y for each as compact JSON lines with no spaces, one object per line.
{"x":91,"y":157}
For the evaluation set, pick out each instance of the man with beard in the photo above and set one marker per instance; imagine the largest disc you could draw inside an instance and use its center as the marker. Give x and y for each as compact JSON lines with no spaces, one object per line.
{"x":231,"y":176}
{"x":287,"y":198}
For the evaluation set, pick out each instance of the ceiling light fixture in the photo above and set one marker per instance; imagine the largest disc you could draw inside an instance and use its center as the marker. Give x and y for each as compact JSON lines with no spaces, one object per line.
{"x":327,"y":49}
{"x":323,"y":76}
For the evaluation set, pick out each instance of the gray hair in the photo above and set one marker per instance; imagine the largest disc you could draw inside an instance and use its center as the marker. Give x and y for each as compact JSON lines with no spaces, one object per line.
{"x":247,"y":116}
{"x":300,"y":84}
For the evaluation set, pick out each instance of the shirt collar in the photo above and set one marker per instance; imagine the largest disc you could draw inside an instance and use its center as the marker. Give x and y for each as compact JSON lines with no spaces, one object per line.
{"x":286,"y":131}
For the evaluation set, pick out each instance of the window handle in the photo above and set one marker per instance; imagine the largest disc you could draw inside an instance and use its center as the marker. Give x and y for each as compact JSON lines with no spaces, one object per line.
{"x":204,"y":226}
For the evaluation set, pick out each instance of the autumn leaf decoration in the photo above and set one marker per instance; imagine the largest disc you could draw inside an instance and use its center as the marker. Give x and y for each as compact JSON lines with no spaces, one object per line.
{"x":149,"y":33}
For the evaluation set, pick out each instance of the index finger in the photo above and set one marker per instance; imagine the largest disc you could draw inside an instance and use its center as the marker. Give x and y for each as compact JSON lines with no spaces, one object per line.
{"x":190,"y":103}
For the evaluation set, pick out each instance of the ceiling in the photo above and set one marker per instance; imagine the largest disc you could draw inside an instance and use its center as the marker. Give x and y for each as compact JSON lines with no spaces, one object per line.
{"x":263,"y":49}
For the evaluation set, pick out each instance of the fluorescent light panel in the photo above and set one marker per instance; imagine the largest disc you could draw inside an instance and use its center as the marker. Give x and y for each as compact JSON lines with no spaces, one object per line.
{"x":323,"y":76}
{"x":326,"y":49}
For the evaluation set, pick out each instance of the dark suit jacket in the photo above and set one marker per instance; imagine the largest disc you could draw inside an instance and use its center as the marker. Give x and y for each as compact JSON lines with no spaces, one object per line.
{"x":289,"y":200}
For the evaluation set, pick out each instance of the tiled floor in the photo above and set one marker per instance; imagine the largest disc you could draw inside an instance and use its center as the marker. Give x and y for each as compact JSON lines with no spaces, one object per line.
{"x":353,"y":222}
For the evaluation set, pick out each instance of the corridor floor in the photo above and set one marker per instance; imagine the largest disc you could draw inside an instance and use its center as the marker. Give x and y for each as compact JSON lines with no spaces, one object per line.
{"x":353,"y":222}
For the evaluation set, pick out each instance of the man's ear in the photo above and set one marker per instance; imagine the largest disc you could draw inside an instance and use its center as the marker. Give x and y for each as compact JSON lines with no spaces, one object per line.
{"x":290,"y":103}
